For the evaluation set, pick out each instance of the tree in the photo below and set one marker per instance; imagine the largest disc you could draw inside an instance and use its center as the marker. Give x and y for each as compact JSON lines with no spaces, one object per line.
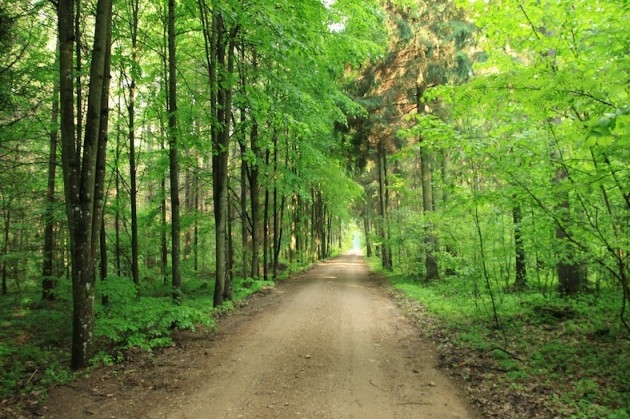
{"x":173,"y":154}
{"x":429,"y":46}
{"x":83,"y":169}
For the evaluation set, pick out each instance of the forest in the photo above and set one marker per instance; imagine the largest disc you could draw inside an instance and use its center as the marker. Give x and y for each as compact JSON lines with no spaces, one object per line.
{"x":162,"y":160}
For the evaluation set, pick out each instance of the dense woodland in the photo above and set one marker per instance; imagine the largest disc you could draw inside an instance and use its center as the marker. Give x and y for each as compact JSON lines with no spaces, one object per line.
{"x":162,"y":159}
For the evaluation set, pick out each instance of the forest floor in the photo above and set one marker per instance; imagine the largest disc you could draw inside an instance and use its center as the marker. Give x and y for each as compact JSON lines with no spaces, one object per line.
{"x":327,"y":343}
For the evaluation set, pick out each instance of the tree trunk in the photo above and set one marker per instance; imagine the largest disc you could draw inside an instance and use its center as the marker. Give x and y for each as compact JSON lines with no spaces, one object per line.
{"x":385,"y":253}
{"x":5,"y":248}
{"x":431,"y":264}
{"x":84,"y":170}
{"x":254,"y":191}
{"x":367,"y":230}
{"x":176,"y":279}
{"x":221,"y":143}
{"x":163,"y":230}
{"x":48,"y":272}
{"x":243,"y":208}
{"x":520,"y":266}
{"x":266,"y":225}
{"x":447,"y":182}
{"x":133,"y":189}
{"x":196,"y":223}
{"x":571,"y":273}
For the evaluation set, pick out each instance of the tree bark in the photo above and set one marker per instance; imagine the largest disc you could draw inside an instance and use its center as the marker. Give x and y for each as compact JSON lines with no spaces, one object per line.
{"x":520,"y":266}
{"x":176,"y":279}
{"x":254,"y":191}
{"x":48,"y":272}
{"x":385,"y":253}
{"x":571,"y":273}
{"x":133,"y":188}
{"x":431,"y":265}
{"x":223,"y":46}
{"x":84,"y":170}
{"x":266,"y":225}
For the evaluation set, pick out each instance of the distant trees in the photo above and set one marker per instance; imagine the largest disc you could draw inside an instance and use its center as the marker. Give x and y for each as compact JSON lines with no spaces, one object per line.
{"x":429,"y":46}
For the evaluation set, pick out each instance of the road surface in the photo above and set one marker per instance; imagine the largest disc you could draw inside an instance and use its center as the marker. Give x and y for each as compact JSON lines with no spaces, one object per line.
{"x":329,"y":343}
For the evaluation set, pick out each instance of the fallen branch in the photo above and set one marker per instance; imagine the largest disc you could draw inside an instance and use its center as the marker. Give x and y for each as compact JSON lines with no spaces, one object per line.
{"x":510,"y":354}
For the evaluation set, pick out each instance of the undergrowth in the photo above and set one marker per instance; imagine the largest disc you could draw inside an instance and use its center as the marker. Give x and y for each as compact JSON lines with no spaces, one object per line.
{"x":35,"y":335}
{"x":569,"y":356}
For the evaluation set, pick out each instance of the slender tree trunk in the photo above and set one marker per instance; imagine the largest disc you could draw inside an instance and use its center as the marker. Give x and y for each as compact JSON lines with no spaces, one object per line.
{"x":48,"y":271}
{"x":520,"y":266}
{"x":243,"y":208}
{"x":133,"y":189}
{"x":266,"y":226}
{"x":225,"y":45}
{"x":101,"y":162}
{"x":431,"y":264}
{"x":367,"y":231}
{"x":385,"y":253}
{"x":196,"y":223}
{"x":78,"y":48}
{"x":447,"y":182}
{"x":254,"y":191}
{"x":173,"y":154}
{"x":227,"y":291}
{"x":163,"y":230}
{"x":103,"y":252}
{"x":5,"y":249}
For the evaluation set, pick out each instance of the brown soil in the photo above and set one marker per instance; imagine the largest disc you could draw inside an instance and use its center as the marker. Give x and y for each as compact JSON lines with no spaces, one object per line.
{"x":329,"y":343}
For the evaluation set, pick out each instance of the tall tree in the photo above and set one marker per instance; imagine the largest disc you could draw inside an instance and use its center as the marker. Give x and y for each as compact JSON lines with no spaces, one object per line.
{"x":48,"y":272}
{"x":83,"y":179}
{"x":173,"y":154}
{"x":131,"y":109}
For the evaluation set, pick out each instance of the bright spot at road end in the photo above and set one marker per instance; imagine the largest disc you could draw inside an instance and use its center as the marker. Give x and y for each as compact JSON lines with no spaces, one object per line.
{"x":356,"y":243}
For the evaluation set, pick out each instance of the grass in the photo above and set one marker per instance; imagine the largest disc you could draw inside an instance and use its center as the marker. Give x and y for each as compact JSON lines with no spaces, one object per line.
{"x":567,"y":355}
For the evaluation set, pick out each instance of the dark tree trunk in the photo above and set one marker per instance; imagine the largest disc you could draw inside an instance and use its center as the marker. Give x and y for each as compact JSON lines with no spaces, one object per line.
{"x":133,"y":189}
{"x":266,"y":227}
{"x":571,"y":272}
{"x":5,"y":249}
{"x":196,"y":203}
{"x":48,"y":271}
{"x":447,"y":183}
{"x":367,"y":230}
{"x":84,"y":170}
{"x":224,"y":45}
{"x":254,"y":191}
{"x":176,"y":279}
{"x":163,"y":230}
{"x":520,"y":266}
{"x":431,"y":264}
{"x":385,"y":253}
{"x":243,"y":208}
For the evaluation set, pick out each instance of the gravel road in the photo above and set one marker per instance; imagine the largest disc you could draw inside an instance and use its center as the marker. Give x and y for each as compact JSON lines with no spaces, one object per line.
{"x":328,"y":343}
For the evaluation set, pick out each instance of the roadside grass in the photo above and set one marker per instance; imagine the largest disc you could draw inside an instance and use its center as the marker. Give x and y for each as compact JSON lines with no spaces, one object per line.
{"x":35,"y":335}
{"x":548,"y":357}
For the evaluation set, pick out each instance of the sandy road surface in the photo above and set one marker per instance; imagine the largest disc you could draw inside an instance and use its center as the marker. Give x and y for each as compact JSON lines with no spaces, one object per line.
{"x":329,"y":343}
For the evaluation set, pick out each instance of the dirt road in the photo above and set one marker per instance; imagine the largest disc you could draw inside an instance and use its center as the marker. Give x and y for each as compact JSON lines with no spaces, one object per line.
{"x":328,"y":343}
